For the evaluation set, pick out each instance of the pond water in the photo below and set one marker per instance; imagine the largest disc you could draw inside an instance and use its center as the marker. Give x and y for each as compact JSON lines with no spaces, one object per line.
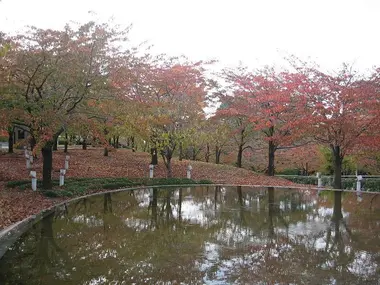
{"x":203,"y":235}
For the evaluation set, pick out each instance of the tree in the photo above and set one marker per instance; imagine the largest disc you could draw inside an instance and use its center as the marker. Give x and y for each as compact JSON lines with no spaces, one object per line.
{"x":57,"y":71}
{"x":344,"y":111}
{"x":172,"y":93}
{"x":271,"y":102}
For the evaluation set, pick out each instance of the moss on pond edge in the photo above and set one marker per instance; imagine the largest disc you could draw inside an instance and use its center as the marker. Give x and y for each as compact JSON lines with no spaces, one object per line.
{"x":81,"y":186}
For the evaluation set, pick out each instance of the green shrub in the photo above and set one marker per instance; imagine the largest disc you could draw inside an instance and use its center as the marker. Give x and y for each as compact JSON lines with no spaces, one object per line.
{"x":289,"y":171}
{"x":116,"y":185}
{"x":3,"y":139}
{"x":205,"y":181}
{"x":312,"y":180}
{"x":14,"y":184}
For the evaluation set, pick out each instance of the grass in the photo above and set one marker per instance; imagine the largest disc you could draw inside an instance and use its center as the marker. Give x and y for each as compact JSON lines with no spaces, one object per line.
{"x":81,"y":186}
{"x":369,"y":184}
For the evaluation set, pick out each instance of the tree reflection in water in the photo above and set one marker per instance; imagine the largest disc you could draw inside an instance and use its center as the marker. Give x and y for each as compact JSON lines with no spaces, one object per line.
{"x":202,"y":235}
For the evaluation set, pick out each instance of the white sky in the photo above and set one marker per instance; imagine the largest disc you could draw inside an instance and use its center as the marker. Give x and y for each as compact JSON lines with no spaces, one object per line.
{"x":254,"y":32}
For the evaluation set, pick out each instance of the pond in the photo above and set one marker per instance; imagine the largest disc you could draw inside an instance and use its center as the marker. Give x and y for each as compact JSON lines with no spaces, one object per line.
{"x":202,"y":235}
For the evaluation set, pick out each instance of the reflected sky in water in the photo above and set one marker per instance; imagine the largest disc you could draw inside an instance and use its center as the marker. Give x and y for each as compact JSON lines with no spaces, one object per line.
{"x":203,"y":235}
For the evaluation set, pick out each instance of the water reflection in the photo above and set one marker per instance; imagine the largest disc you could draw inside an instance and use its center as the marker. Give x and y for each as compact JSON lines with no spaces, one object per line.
{"x":202,"y":235}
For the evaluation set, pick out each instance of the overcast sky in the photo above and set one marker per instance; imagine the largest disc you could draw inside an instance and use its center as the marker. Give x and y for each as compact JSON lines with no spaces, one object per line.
{"x":255,"y":32}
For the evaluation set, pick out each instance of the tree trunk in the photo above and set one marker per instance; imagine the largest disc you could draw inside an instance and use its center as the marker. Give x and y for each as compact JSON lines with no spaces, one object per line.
{"x":10,"y":140}
{"x":133,"y":144}
{"x":271,"y":152}
{"x":47,"y":167}
{"x":169,"y":168}
{"x":84,"y":144}
{"x":55,"y":139}
{"x":153,"y":153}
{"x":218,"y":152}
{"x":337,"y":159}
{"x":239,"y":156}
{"x":180,"y":151}
{"x":32,"y":142}
{"x":66,"y":143}
{"x":55,"y":144}
{"x":207,"y":154}
{"x":193,"y":153}
{"x":241,"y":149}
{"x":105,"y":153}
{"x":167,"y":157}
{"x":117,"y":142}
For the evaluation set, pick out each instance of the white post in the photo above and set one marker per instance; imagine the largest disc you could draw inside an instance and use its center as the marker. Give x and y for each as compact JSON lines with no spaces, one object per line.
{"x":151,"y":168}
{"x":62,"y":173}
{"x":189,"y":169}
{"x":67,"y":162}
{"x":358,"y":185}
{"x":27,"y":161}
{"x":319,"y":180}
{"x":33,"y":174}
{"x":25,"y":152}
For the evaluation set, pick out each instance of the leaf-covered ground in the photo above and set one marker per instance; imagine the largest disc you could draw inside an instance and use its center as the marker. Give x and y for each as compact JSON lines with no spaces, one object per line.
{"x":16,"y":205}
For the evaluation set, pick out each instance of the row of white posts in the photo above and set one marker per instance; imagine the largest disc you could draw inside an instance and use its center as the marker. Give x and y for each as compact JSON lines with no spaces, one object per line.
{"x":62,"y":171}
{"x":188,"y":174}
{"x":33,"y":174}
{"x":359,"y":179}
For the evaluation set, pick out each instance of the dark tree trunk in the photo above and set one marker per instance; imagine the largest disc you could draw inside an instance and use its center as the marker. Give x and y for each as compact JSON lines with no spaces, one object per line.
{"x":117,"y":142}
{"x":84,"y":144}
{"x":33,"y":142}
{"x":66,"y":143}
{"x":133,"y":144}
{"x":153,"y":153}
{"x":180,"y":151}
{"x":47,"y":155}
{"x":193,"y":153}
{"x":271,"y":152}
{"x":167,"y":157}
{"x":10,"y":140}
{"x":169,"y":172}
{"x":218,"y":152}
{"x":241,"y":149}
{"x":55,"y":144}
{"x":207,"y":153}
{"x":337,"y":159}
{"x":239,"y":156}
{"x":105,"y":153}
{"x":55,"y":139}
